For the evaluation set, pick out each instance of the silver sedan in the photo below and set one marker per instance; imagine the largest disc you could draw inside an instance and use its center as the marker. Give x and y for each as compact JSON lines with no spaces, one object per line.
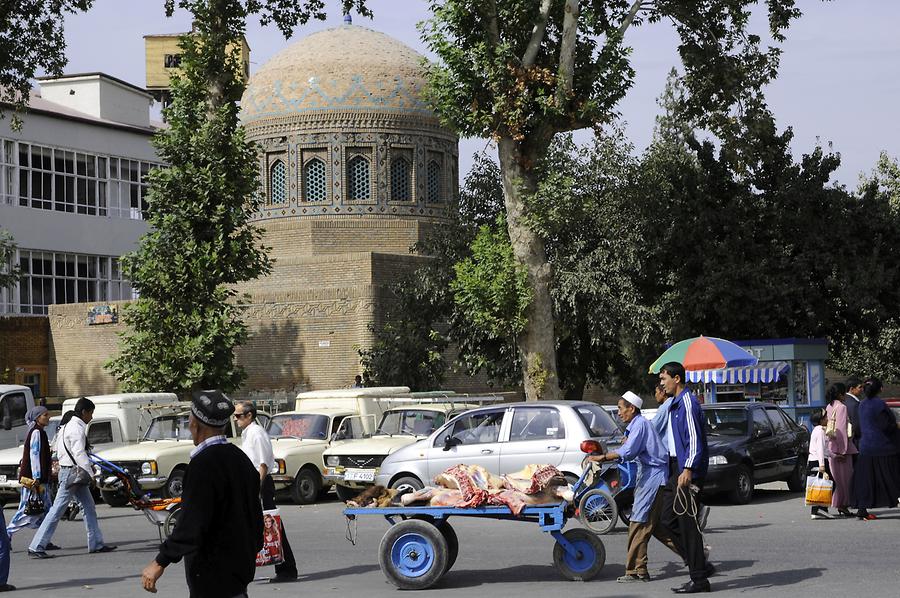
{"x":504,"y":439}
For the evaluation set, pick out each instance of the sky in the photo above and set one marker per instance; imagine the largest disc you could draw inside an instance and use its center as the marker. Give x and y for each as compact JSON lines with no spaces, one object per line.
{"x":838,"y":85}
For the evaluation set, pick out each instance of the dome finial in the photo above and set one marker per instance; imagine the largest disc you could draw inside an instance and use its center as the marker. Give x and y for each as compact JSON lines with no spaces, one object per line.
{"x":348,"y":20}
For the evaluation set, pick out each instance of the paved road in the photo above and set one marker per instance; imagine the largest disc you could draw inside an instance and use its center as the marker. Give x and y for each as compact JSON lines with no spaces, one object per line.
{"x":767,"y":548}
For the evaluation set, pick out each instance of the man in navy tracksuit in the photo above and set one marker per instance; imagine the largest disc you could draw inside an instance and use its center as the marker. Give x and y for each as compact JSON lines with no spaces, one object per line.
{"x":688,"y":462}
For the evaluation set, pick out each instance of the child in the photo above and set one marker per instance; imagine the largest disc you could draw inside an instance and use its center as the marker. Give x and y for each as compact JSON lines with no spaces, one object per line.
{"x":818,"y":456}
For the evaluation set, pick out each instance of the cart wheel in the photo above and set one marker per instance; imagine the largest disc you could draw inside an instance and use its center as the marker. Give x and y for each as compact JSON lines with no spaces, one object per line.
{"x":598,"y":511}
{"x":413,"y":555}
{"x":589,"y":560}
{"x":452,"y":543}
{"x":449,"y":534}
{"x":171,"y":521}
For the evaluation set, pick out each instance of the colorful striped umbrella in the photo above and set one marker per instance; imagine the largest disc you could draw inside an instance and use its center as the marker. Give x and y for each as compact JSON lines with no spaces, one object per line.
{"x":704,"y":353}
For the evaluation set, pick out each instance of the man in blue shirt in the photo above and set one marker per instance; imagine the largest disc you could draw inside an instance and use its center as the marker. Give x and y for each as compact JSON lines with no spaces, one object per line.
{"x":688,"y":462}
{"x":644,"y":445}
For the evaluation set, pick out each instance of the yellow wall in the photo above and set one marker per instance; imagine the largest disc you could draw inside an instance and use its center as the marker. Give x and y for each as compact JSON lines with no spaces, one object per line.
{"x":158,"y":46}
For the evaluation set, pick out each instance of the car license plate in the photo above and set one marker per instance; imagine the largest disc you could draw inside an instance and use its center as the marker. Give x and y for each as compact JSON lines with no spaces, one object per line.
{"x":360,"y":475}
{"x":2,"y":478}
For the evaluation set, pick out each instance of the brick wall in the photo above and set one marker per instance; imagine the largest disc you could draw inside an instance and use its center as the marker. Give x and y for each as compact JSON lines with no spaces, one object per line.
{"x":78,"y":351}
{"x":24,"y":348}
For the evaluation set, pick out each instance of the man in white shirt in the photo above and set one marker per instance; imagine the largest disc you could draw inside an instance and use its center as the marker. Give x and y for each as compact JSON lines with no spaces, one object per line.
{"x":256,"y":444}
{"x":72,"y":455}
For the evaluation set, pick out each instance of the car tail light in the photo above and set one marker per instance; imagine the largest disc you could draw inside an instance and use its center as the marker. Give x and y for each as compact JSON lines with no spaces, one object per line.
{"x":590,"y":446}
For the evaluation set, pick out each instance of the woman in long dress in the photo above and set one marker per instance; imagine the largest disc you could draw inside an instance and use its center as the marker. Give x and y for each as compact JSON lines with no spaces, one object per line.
{"x":876,"y":477}
{"x":35,"y":466}
{"x":842,"y":450}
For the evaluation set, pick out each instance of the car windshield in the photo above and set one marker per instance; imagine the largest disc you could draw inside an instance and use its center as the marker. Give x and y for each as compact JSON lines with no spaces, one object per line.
{"x":726,"y":422}
{"x":299,"y":425}
{"x":169,"y":427}
{"x":411,"y":422}
{"x":597,"y":420}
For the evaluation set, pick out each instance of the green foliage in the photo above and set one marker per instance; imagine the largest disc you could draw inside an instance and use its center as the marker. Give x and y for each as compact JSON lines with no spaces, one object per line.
{"x":490,"y":288}
{"x":186,"y":323}
{"x":406,"y":350}
{"x":523,"y":71}
{"x":31,"y":39}
{"x":490,"y":83}
{"x":870,"y":344}
{"x":9,"y":271}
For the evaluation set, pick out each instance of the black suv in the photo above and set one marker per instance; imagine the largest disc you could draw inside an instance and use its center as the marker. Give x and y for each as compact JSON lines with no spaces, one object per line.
{"x":753,"y":443}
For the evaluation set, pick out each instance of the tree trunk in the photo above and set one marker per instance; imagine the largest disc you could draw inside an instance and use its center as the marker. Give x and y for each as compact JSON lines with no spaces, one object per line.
{"x":537,"y":343}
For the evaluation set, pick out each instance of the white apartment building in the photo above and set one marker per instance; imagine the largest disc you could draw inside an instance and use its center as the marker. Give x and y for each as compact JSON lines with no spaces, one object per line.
{"x":73,"y":188}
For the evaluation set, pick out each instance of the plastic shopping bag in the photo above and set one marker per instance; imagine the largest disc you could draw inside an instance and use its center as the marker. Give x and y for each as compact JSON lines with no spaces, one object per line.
{"x":818,"y":491}
{"x":272,"y":552}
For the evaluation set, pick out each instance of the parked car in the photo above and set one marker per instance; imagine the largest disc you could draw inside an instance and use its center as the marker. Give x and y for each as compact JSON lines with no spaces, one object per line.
{"x":753,"y":443}
{"x":894,"y":405}
{"x":504,"y":439}
{"x":15,"y":401}
{"x":119,"y":419}
{"x":158,"y":462}
{"x":353,"y":462}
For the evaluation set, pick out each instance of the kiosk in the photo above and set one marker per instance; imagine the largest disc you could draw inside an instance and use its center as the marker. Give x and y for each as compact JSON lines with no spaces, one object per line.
{"x":790,"y":373}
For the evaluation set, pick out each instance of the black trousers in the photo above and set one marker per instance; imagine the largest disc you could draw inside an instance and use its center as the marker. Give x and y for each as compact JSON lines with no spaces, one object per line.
{"x":289,"y":567}
{"x":683,"y":529}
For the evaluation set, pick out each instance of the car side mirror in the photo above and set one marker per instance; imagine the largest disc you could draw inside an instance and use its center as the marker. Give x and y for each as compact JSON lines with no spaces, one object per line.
{"x":7,"y":422}
{"x":450,"y":442}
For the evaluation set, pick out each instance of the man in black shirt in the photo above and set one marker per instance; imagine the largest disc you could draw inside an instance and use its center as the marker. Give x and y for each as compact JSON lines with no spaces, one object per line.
{"x":220,"y":526}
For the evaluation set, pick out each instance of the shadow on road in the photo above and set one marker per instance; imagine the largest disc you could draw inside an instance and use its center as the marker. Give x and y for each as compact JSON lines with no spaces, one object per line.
{"x":337,"y":572}
{"x":523,"y":573}
{"x":777,"y":579}
{"x":79,"y":583}
{"x":718,"y":529}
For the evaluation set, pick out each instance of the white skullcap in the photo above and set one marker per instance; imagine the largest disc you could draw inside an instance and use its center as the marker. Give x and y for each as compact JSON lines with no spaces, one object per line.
{"x":632,"y":398}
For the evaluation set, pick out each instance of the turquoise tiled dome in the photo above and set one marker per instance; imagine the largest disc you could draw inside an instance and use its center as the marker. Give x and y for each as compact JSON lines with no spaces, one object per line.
{"x":339,"y":70}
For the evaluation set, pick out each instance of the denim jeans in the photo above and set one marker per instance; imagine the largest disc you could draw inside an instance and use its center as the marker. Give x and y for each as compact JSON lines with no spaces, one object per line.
{"x":63,"y":496}
{"x":4,"y":552}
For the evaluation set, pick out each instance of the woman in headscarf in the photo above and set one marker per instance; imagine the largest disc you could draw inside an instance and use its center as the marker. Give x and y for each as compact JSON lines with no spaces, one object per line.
{"x":876,"y":477}
{"x":35,"y":466}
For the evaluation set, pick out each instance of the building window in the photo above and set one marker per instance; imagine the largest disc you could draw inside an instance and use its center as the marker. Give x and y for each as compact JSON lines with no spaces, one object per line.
{"x":172,"y":61}
{"x":49,"y":278}
{"x":401,"y":179}
{"x":314,"y":185}
{"x":433,"y":182}
{"x":76,"y":182}
{"x":358,"y":184}
{"x":277,"y":183}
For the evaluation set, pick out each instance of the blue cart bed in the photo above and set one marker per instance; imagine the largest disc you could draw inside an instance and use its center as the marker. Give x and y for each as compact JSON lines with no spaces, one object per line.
{"x":418,"y":549}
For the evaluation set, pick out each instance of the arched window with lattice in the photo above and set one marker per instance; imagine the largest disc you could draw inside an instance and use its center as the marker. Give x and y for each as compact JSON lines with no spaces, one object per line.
{"x":433,"y":182}
{"x":314,"y":187}
{"x":401,"y":179}
{"x":358,"y":180}
{"x":277,"y":183}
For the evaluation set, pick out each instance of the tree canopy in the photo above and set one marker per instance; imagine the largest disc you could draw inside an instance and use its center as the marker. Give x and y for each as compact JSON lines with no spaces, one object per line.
{"x":31,"y":38}
{"x":521,"y":72}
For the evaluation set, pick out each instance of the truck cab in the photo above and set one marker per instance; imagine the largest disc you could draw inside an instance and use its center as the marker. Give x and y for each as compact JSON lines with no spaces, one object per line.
{"x":299,"y":437}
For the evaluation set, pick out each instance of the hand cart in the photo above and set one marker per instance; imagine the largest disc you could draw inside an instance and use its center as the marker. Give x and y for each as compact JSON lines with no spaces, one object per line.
{"x":161,"y":512}
{"x":421,"y":547}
